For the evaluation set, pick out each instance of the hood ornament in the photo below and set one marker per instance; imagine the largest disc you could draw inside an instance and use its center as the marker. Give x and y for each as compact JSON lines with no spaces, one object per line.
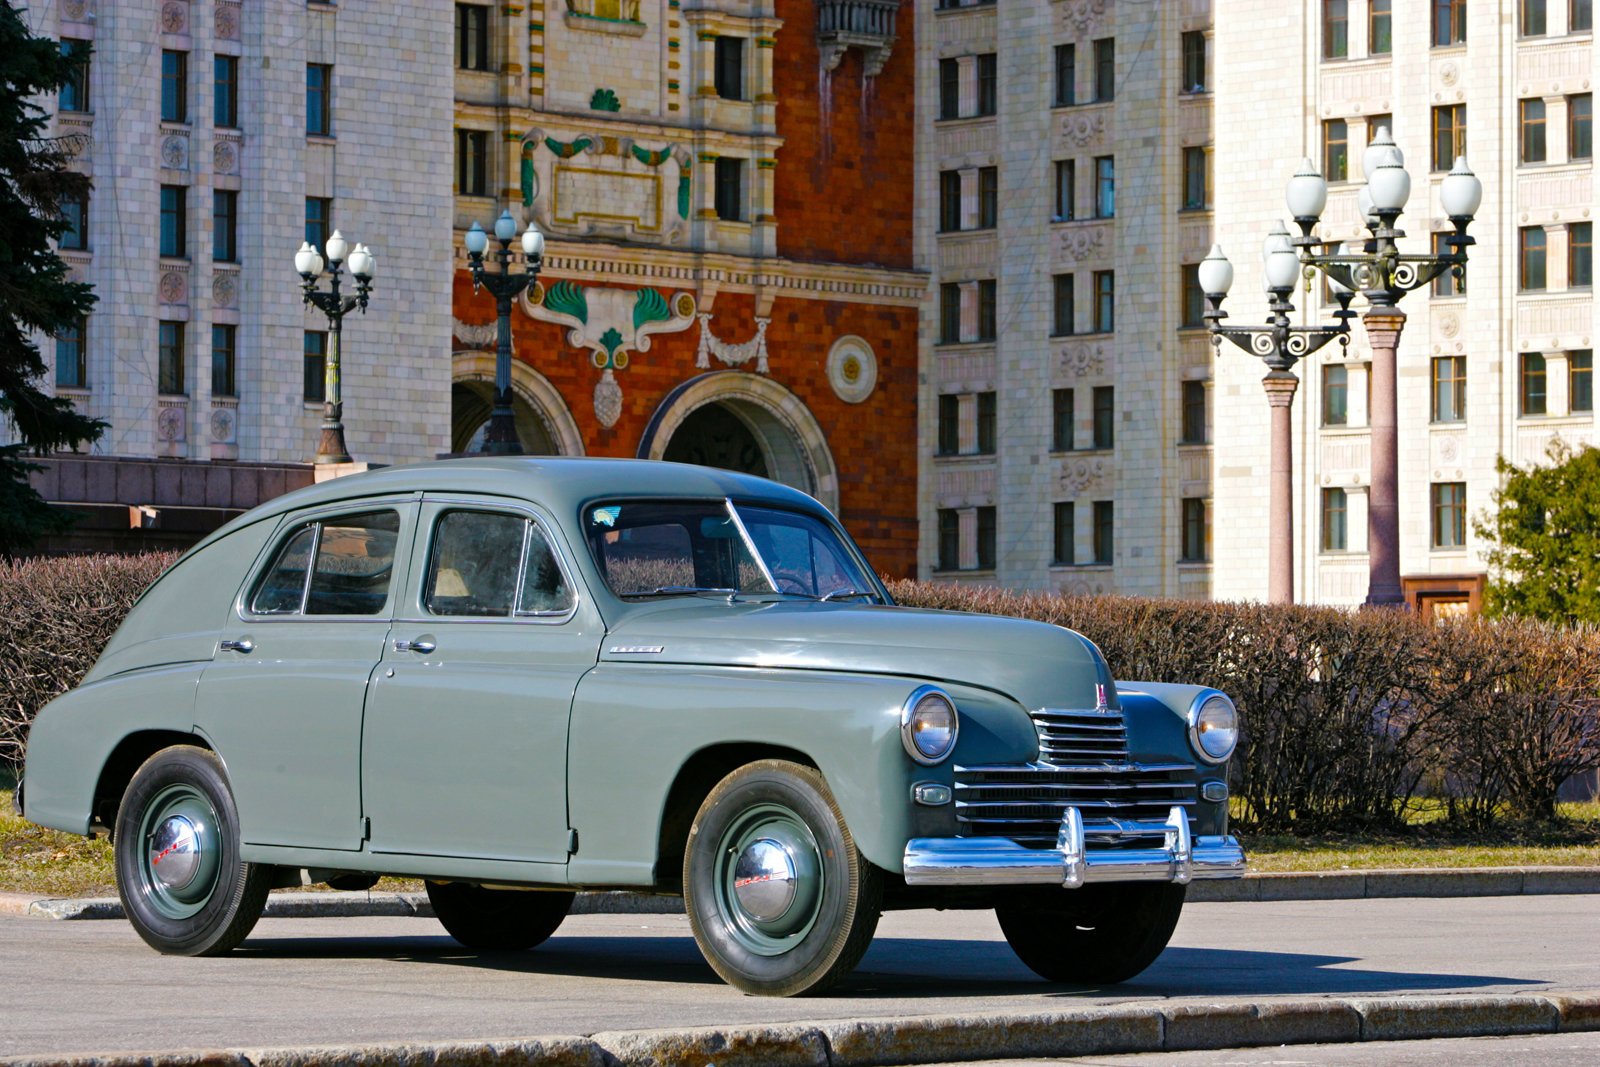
{"x":1100,"y":696}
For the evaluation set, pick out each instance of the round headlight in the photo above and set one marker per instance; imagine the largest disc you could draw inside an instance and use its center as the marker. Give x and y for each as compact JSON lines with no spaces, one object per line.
{"x":928,"y":725}
{"x":1214,"y":728}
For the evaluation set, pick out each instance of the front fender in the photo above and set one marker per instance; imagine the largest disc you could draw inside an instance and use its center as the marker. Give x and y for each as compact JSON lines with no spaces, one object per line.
{"x":1157,"y":719}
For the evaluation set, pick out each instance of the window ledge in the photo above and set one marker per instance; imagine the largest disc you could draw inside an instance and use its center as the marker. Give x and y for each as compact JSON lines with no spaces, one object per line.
{"x":1194,"y":444}
{"x":956,"y":121}
{"x":321,"y":138}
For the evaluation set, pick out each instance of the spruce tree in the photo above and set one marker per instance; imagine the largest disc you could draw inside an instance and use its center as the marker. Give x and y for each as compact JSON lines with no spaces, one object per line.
{"x":36,"y":294}
{"x":1543,"y":538}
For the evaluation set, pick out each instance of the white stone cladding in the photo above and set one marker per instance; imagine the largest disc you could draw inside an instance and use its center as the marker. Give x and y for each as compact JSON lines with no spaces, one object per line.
{"x":387,"y":168}
{"x":1147,"y":473}
{"x":1274,"y":91}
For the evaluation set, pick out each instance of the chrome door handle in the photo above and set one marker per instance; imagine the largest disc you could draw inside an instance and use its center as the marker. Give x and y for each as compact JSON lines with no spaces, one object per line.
{"x":242,"y":644}
{"x":422,"y":644}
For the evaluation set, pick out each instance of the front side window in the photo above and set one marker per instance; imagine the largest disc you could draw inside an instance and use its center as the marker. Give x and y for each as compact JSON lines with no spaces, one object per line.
{"x":1448,"y":283}
{"x":949,"y":540}
{"x":1194,"y":300}
{"x":174,"y":86}
{"x":75,"y":209}
{"x":987,"y":531}
{"x":1532,"y":128}
{"x":319,"y":221}
{"x":336,"y":566}
{"x":493,"y":564}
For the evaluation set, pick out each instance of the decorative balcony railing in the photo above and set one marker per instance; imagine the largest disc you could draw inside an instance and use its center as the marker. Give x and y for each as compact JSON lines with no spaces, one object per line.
{"x":864,"y":24}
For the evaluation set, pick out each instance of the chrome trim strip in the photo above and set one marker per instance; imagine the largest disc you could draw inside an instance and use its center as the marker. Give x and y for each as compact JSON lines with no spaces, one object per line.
{"x":750,"y":544}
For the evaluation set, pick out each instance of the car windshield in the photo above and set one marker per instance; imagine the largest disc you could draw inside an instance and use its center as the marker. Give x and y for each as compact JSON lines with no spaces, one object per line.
{"x":683,"y":548}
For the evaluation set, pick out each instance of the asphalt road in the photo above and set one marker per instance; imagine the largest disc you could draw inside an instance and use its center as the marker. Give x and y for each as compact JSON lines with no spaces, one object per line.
{"x":94,"y":986}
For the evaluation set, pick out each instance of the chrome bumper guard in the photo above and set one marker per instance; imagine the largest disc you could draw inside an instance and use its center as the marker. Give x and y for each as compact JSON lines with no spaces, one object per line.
{"x":1001,"y":861}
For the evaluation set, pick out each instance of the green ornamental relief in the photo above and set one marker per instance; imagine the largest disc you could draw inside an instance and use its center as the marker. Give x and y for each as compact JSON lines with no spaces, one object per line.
{"x":605,"y":100}
{"x":568,"y":149}
{"x":649,"y":158}
{"x":649,"y":306}
{"x":567,"y":299}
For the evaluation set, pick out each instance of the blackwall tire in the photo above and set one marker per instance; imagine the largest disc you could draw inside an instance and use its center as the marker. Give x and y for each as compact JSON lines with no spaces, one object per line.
{"x":497,"y":920}
{"x":780,"y":901}
{"x":1097,"y":935}
{"x":182,"y":883}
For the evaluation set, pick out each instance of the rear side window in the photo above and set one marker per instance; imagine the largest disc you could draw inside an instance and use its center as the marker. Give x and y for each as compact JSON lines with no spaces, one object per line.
{"x":335,"y":566}
{"x":488,"y":564}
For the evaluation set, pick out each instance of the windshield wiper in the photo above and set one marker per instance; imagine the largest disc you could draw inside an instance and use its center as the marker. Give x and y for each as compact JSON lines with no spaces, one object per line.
{"x":684,"y":590}
{"x":840,"y":594}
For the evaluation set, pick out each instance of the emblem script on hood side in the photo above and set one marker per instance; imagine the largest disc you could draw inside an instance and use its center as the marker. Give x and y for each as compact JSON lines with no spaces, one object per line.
{"x":636,"y":650}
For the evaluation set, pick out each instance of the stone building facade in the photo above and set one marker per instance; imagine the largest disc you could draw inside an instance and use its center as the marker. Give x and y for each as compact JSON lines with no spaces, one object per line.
{"x":1064,"y":196}
{"x":726,"y":196}
{"x":219,"y":135}
{"x":1497,"y":370}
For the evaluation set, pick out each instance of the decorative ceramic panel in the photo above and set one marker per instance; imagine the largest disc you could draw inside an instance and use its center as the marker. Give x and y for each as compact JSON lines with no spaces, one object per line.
{"x":966,"y":371}
{"x":1345,"y":459}
{"x":1361,"y":91}
{"x":1195,"y":122}
{"x":1554,"y":69}
{"x":963,"y":256}
{"x":1555,"y":197}
{"x":970,"y":145}
{"x":598,"y":185}
{"x":965,"y":486}
{"x":1547,"y":324}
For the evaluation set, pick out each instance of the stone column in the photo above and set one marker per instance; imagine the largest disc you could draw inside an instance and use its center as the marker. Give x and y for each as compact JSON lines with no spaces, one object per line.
{"x":1384,"y":325}
{"x":1280,"y":386}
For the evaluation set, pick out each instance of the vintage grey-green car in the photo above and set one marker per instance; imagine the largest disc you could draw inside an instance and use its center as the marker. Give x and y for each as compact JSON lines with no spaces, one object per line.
{"x":517,"y":678}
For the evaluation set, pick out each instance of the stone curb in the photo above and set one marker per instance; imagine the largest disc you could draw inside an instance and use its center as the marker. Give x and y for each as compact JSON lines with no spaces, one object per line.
{"x":1142,"y":1027}
{"x":1329,"y":885}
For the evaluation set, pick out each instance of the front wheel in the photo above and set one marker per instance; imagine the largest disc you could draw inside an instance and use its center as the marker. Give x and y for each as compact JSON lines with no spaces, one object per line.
{"x":1096,"y":935}
{"x":182,"y":884}
{"x":497,"y":920}
{"x":779,"y":900}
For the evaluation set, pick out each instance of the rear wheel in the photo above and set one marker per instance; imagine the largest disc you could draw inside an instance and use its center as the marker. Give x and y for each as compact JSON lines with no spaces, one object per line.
{"x":1096,"y":935}
{"x":497,"y":920}
{"x":779,"y":900}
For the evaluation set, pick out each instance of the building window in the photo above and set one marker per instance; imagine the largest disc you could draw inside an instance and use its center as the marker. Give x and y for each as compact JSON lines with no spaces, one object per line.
{"x":1066,"y":521}
{"x":988,"y":84}
{"x":169,"y":369}
{"x":1531,"y":391}
{"x":987,"y":310}
{"x":1066,"y":189}
{"x":1064,"y":310}
{"x":1196,"y":179}
{"x":1449,"y":514}
{"x":222,"y":361}
{"x":74,"y":93}
{"x":1580,"y":255}
{"x":224,"y":226}
{"x":986,"y":538}
{"x":988,"y":197}
{"x":949,"y":89}
{"x":472,"y":163}
{"x":949,"y":539}
{"x":1449,"y":135}
{"x":1376,"y":123}
{"x":1195,"y":532}
{"x":1335,"y":528}
{"x":174,"y":86}
{"x":1380,"y":32}
{"x":472,"y":36}
{"x":1061,"y":415}
{"x":1194,"y":413}
{"x":72,"y":355}
{"x":315,"y":367}
{"x":1531,"y":258}
{"x":1532,"y":22}
{"x":319,"y":100}
{"x":1194,"y":62}
{"x":1580,"y":126}
{"x":1532,"y":130}
{"x":949,"y":313}
{"x":75,"y":210}
{"x":319,"y":221}
{"x":730,"y":189}
{"x":1066,"y":75}
{"x":1105,"y":187}
{"x":1335,"y":394}
{"x":1335,"y":29}
{"x":949,"y":201}
{"x":1450,"y":389}
{"x":225,"y":91}
{"x":1580,"y":380}
{"x":174,"y":221}
{"x":1448,"y":283}
{"x":987,"y":423}
{"x":1580,"y":15}
{"x":1105,"y":411}
{"x":949,"y":424}
{"x":1104,"y":531}
{"x":1105,"y":301}
{"x":729,"y":73}
{"x":1449,"y":22}
{"x":1336,"y":150}
{"x":1105,"y":69}
{"x":1194,"y":299}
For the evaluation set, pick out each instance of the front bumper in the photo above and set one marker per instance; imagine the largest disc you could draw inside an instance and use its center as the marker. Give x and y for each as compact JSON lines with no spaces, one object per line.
{"x":1179,"y":858}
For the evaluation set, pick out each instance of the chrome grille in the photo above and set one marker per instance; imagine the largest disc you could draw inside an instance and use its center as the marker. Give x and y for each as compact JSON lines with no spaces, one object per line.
{"x":1077,"y":736}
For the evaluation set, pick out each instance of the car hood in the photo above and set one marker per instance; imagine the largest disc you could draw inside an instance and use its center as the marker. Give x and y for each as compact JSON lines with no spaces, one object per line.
{"x":1034,"y":663}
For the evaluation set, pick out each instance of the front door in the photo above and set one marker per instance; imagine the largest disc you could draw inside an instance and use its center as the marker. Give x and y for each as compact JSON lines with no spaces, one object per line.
{"x":464,"y":750}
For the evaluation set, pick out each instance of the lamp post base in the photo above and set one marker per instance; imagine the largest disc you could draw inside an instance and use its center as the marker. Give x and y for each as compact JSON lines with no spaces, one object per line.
{"x":500,"y":439}
{"x":331,"y":448}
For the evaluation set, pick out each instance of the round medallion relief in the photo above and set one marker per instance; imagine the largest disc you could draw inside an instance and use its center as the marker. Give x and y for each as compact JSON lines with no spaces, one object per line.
{"x":1449,"y":324}
{"x":227,"y":21}
{"x":74,"y":10}
{"x":1449,"y":449}
{"x":174,"y":17}
{"x":224,"y":290}
{"x":852,"y":369}
{"x":169,"y":424}
{"x":172,"y":288}
{"x":222,"y":423}
{"x":225,"y":157}
{"x":175,"y":153}
{"x":1449,"y":73}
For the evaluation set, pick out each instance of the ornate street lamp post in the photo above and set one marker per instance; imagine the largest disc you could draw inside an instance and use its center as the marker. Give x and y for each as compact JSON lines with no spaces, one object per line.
{"x":501,"y":436}
{"x":1280,"y":346}
{"x":309,"y":263}
{"x":1384,"y":275}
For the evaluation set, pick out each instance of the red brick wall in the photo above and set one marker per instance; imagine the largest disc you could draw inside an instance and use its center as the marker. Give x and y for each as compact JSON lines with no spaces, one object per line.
{"x":844,"y":180}
{"x":873,"y":443}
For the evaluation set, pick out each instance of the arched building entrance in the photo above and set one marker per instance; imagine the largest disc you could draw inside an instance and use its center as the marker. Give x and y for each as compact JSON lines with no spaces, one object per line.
{"x":544,"y":424}
{"x":747,"y":423}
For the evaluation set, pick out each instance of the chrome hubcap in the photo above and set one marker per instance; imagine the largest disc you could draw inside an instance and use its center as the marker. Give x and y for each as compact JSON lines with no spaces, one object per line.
{"x":180,"y":852}
{"x":175,"y":852}
{"x":769,"y":880}
{"x":764,"y":880}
